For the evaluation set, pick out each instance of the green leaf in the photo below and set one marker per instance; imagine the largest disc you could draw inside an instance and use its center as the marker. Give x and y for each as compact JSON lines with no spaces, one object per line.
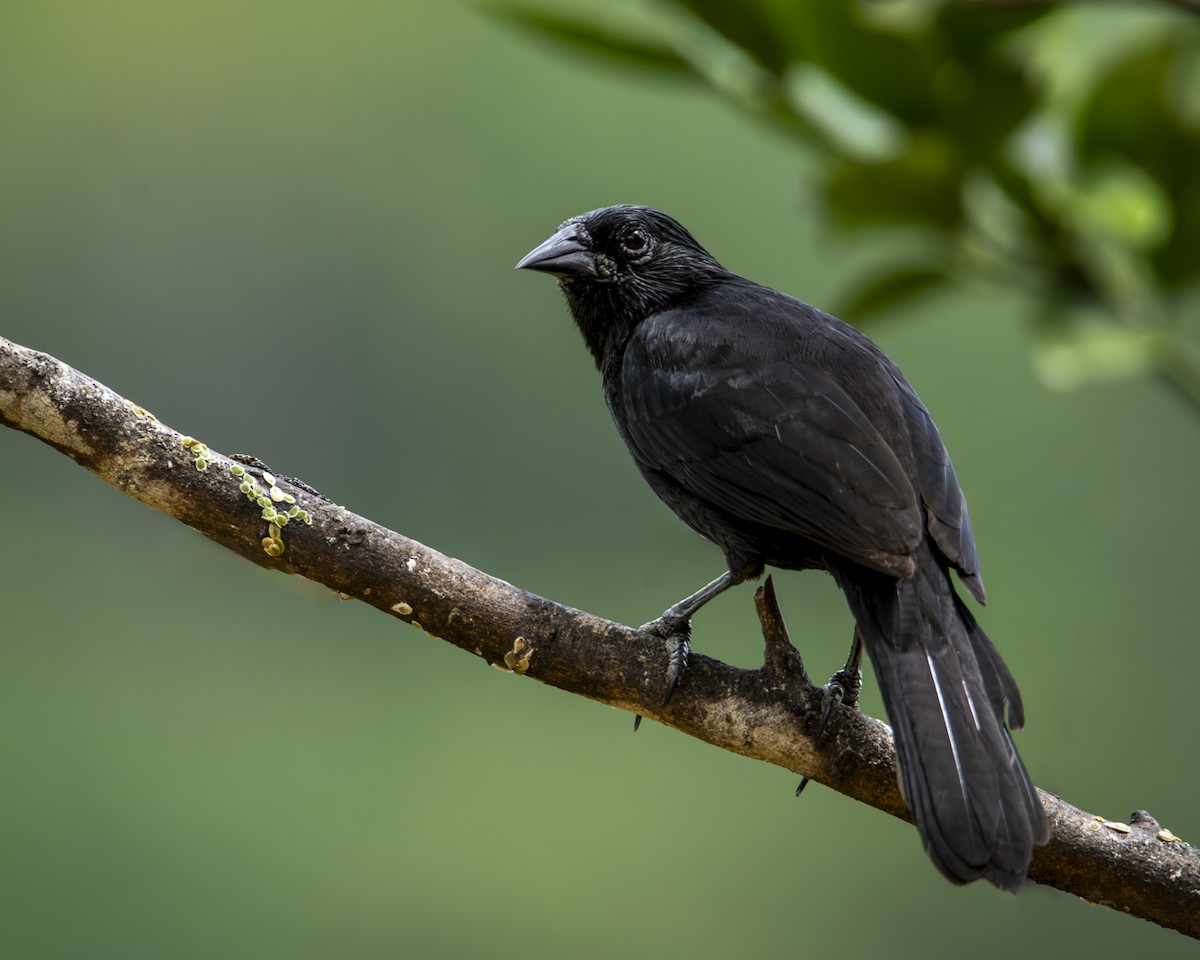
{"x":610,"y":41}
{"x":923,"y":187}
{"x":1092,"y":349}
{"x":975,"y":28}
{"x":745,"y":24}
{"x":1129,"y":115}
{"x":1120,"y":201}
{"x":881,"y":67}
{"x":855,"y":127}
{"x":889,"y":290}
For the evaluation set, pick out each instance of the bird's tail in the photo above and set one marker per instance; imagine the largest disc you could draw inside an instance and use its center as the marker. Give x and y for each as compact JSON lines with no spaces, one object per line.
{"x":945,"y":689}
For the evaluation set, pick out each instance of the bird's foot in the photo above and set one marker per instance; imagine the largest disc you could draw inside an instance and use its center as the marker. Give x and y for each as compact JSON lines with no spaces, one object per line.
{"x":677,"y":660}
{"x":843,"y":688}
{"x":676,"y":634}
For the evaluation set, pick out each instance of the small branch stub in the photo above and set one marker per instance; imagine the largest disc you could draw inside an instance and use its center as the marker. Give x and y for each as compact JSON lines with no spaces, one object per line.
{"x":517,"y":659}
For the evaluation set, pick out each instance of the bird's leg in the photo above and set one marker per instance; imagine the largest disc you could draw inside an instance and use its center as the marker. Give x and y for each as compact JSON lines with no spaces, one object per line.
{"x":686,"y":608}
{"x":675,"y":627}
{"x":843,"y":687}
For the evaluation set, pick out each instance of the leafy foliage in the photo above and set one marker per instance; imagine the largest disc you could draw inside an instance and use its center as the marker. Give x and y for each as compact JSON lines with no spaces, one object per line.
{"x":1049,"y":148}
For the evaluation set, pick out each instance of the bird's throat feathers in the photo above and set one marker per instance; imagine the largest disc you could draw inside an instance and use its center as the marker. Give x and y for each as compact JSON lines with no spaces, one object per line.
{"x":608,"y":310}
{"x":604,"y":314}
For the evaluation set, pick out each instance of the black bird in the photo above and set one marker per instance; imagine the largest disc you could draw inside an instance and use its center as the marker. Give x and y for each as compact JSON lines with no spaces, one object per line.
{"x":789,"y":439}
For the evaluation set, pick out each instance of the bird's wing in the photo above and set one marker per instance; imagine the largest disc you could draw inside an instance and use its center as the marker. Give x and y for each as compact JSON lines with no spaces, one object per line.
{"x":946,"y":508}
{"x":770,"y":440}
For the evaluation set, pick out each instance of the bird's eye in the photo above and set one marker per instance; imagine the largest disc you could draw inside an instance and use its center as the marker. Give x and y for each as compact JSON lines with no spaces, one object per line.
{"x":635,"y":241}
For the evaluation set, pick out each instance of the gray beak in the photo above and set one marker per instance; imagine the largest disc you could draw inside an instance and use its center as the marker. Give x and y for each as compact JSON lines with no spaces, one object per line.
{"x":562,"y":255}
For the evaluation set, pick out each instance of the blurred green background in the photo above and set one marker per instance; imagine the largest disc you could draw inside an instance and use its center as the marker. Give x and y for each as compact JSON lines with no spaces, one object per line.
{"x":289,"y":229}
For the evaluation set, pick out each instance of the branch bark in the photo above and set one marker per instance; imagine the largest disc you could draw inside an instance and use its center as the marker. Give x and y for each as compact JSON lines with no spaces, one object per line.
{"x":768,"y":714}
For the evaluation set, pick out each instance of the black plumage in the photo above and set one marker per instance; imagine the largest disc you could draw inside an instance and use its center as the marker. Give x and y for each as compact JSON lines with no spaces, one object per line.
{"x":790,"y":439}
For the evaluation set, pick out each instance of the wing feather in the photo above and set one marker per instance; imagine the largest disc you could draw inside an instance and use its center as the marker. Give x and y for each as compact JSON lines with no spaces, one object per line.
{"x":787,"y":448}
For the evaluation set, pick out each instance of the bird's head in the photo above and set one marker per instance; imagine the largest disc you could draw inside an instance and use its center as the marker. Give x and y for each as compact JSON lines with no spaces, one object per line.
{"x":618,"y":265}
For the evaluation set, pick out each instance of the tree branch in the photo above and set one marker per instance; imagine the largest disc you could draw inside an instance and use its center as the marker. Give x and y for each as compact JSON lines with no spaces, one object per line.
{"x":768,"y":714}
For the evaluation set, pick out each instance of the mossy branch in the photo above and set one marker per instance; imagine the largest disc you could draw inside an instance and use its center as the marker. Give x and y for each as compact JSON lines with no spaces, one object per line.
{"x":769,"y":714}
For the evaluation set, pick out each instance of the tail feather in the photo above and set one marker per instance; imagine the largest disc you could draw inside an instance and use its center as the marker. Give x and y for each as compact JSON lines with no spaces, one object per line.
{"x":945,"y":689}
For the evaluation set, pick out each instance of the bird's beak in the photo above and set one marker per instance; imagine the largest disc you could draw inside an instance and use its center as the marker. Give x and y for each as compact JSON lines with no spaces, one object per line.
{"x":562,"y":255}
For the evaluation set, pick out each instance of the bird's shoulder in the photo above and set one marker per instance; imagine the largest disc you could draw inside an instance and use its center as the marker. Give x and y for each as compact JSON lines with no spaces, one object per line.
{"x":766,"y":352}
{"x":740,"y":322}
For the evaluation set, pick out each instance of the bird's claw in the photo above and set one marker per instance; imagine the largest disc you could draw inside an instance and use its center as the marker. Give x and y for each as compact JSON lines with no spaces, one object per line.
{"x":676,"y":634}
{"x":843,"y":688}
{"x":677,"y":660}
